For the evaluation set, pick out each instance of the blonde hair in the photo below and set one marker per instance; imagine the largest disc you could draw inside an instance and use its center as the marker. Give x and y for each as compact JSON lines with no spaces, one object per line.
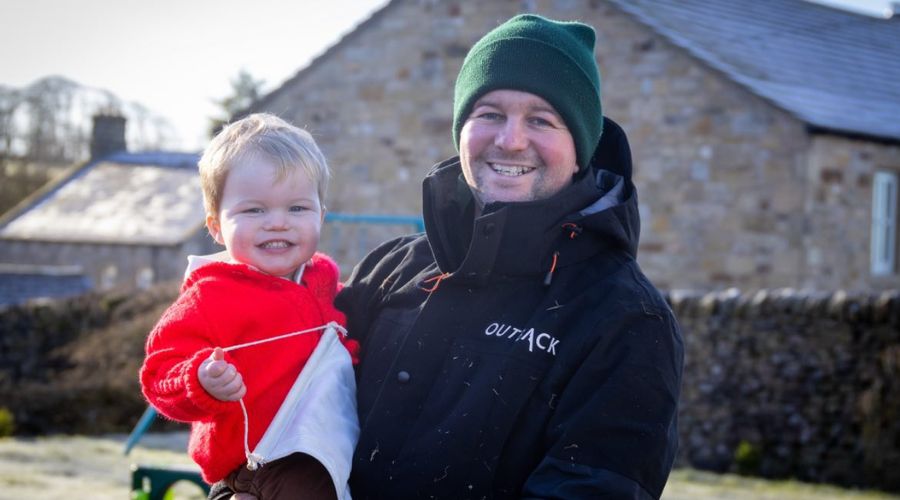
{"x":263,"y":134}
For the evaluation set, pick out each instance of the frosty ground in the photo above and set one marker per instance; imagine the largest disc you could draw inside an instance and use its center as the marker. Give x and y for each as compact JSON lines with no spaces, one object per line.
{"x":96,"y":468}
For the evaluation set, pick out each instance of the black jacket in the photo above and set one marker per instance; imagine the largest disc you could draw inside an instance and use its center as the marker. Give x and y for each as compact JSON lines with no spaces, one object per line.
{"x":522,"y":354}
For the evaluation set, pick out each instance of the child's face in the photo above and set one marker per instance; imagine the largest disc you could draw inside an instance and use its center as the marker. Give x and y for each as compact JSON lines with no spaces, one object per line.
{"x":272,"y":225}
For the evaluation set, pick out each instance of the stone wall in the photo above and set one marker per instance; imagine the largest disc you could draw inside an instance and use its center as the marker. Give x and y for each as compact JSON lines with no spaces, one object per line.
{"x":71,"y":366}
{"x":725,"y":178}
{"x":776,"y":383}
{"x":787,"y":384}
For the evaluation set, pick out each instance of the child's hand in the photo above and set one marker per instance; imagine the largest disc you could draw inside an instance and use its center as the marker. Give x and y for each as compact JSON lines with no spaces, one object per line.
{"x":220,"y":378}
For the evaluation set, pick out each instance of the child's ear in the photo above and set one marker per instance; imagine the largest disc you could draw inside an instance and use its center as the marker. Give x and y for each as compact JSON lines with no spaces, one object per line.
{"x":212,"y":225}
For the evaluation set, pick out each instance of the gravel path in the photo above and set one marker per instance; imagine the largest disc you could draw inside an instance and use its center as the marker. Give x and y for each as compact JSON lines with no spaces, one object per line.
{"x":95,"y":468}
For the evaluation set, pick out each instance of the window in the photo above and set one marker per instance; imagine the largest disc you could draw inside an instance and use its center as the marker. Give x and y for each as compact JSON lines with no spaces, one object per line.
{"x":108,"y":277}
{"x":884,"y":223}
{"x":144,"y":278}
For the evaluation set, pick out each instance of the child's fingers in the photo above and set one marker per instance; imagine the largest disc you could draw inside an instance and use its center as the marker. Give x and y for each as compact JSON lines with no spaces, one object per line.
{"x":220,"y":378}
{"x":216,"y":369}
{"x":234,"y":389}
{"x":213,"y":366}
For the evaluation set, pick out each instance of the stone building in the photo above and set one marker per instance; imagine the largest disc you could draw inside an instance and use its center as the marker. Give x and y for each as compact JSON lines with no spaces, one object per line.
{"x":765,"y":134}
{"x":119,"y":220}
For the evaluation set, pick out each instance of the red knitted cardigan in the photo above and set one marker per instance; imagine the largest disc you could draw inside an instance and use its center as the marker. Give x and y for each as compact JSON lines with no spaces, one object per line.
{"x":222,"y":305}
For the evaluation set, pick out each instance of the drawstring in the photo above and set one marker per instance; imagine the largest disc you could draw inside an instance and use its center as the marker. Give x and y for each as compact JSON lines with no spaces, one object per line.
{"x":549,"y":277}
{"x":574,"y":229}
{"x":286,"y":335}
{"x":254,"y":461}
{"x":437,"y":281}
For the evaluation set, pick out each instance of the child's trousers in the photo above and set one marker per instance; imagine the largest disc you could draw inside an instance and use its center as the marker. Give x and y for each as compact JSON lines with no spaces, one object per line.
{"x":296,"y":477}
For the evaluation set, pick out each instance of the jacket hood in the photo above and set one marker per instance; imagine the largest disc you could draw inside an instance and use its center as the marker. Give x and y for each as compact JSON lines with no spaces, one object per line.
{"x":596,"y":213}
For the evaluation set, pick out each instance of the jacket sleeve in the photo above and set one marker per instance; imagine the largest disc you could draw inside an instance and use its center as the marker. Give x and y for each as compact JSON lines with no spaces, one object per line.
{"x":176,"y":347}
{"x":614,"y":432}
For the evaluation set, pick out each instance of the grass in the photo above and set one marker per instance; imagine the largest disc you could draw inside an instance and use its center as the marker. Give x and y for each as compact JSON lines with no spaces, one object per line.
{"x":83,"y":467}
{"x":95,"y":467}
{"x":685,"y":484}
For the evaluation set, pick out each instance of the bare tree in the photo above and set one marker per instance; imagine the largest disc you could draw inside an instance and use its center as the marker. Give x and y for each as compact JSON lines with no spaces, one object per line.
{"x":47,"y":104}
{"x":9,"y":102}
{"x":50,"y":121}
{"x":147,"y":130}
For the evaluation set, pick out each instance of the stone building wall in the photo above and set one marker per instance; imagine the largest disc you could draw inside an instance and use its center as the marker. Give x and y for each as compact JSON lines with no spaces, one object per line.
{"x":380,"y":106}
{"x":719,"y":171}
{"x":723,"y":175}
{"x":112,"y":265}
{"x":839,"y":203}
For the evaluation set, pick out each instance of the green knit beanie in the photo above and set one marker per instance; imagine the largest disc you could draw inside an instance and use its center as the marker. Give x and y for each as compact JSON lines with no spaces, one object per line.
{"x":551,"y":59}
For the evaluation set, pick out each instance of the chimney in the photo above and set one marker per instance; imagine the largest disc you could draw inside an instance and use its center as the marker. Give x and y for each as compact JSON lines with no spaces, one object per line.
{"x":108,"y":136}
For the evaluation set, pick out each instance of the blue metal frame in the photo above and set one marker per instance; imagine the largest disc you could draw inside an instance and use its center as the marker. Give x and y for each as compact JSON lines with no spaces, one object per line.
{"x":393,"y":220}
{"x":140,"y":428}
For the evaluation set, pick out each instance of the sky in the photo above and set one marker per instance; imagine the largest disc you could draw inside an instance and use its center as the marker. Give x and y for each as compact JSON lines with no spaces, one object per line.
{"x":176,"y":57}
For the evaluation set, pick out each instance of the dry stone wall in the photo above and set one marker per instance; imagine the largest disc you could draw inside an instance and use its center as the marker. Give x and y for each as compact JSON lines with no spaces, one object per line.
{"x":71,"y":366}
{"x":792,"y":384}
{"x":777,"y":383}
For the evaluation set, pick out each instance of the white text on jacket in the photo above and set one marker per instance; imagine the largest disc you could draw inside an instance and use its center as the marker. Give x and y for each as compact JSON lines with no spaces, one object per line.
{"x":543,"y":341}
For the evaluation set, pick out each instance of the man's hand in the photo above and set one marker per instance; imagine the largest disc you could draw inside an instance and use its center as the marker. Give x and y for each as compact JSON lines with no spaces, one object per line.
{"x":220,"y":378}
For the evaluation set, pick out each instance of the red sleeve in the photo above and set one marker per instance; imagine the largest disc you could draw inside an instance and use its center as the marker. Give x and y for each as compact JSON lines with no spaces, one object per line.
{"x":352,"y":347}
{"x":176,"y":347}
{"x":321,"y":277}
{"x":324,"y":285}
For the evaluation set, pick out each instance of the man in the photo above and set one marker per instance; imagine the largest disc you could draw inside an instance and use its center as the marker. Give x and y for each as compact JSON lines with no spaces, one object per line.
{"x":516,"y":349}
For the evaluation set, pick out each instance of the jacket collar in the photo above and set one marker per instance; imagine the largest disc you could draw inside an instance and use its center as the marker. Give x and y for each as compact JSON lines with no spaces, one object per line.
{"x":515,"y":239}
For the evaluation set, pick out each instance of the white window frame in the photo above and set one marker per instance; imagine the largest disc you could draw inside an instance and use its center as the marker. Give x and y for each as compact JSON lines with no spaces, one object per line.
{"x":884,"y":223}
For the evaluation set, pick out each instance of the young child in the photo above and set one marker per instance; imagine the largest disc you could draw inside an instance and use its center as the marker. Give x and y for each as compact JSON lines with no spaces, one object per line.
{"x":264,"y":184}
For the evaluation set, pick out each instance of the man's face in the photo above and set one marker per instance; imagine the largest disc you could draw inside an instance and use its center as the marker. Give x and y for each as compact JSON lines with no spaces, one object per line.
{"x":515,"y":147}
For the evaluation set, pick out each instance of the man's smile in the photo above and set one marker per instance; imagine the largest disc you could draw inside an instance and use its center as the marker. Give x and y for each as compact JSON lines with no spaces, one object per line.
{"x":510,"y":170}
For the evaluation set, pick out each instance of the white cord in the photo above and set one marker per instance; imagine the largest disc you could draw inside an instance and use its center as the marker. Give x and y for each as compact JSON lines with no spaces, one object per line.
{"x":255,"y":461}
